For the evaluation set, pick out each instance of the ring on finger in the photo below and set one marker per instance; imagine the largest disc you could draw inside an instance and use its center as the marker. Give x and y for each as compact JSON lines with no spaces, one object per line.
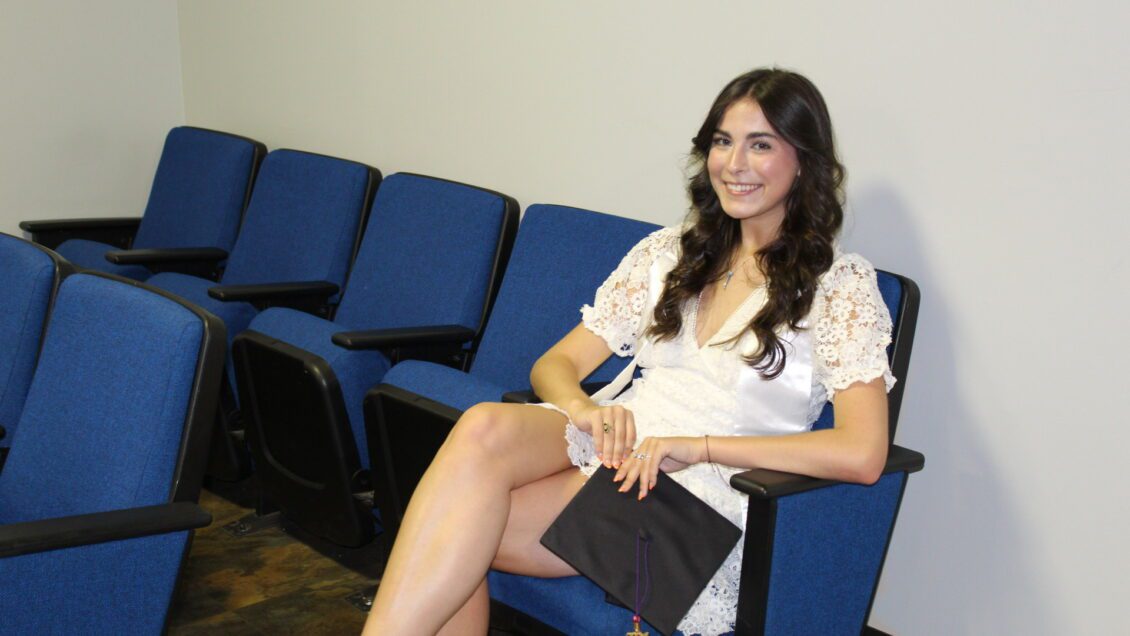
{"x":607,"y":427}
{"x":641,"y":455}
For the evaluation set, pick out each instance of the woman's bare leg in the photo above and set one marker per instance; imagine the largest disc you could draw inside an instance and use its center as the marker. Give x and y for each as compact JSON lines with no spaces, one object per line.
{"x":532,"y":508}
{"x":455,"y":521}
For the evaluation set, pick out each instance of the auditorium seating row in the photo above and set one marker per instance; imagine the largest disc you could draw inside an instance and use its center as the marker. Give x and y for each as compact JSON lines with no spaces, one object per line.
{"x":364,"y":315}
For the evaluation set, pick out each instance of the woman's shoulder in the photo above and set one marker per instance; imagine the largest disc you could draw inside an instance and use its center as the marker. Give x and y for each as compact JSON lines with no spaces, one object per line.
{"x":662,"y":240}
{"x":848,"y":269}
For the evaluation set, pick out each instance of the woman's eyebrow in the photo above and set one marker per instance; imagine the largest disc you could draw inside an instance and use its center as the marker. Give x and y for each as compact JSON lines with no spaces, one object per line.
{"x":757,"y":134}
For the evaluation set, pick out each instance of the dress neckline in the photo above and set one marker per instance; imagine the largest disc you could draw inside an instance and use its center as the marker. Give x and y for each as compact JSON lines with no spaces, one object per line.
{"x":692,"y":317}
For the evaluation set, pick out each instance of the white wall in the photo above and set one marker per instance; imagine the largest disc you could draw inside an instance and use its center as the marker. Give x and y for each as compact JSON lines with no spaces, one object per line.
{"x":986,"y":147}
{"x":89,"y":90}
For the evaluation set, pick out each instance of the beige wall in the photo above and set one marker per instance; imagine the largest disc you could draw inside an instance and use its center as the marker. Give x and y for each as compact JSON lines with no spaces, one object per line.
{"x":89,"y":91}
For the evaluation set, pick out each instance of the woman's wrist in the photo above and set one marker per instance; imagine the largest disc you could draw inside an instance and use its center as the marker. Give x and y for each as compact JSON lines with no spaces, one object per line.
{"x":575,"y":408}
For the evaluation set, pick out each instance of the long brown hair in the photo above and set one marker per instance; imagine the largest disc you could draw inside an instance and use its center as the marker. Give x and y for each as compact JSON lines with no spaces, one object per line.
{"x":803,"y":250}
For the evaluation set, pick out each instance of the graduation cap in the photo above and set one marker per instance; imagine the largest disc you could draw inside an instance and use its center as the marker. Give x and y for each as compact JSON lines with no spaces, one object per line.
{"x":668,"y":545}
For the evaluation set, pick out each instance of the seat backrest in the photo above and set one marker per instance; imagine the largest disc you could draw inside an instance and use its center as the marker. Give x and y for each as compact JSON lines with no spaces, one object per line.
{"x":432,"y":253}
{"x":561,"y":255}
{"x":303,"y":221}
{"x":201,"y":188}
{"x":119,"y":409}
{"x":29,"y":275}
{"x":901,"y":296}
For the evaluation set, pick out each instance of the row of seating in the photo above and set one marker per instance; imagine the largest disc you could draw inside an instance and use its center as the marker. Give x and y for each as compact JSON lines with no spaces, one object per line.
{"x":108,"y":394}
{"x":415,"y":314}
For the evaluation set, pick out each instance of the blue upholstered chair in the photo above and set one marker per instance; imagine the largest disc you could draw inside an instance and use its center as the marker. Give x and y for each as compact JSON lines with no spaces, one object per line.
{"x":201,"y":188}
{"x":560,"y":257}
{"x":814,"y":548}
{"x":97,"y":500}
{"x":428,"y":268}
{"x":29,"y":275}
{"x":299,"y":236}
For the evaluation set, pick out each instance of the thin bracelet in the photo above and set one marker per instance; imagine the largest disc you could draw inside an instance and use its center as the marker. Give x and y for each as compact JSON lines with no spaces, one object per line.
{"x":707,"y":438}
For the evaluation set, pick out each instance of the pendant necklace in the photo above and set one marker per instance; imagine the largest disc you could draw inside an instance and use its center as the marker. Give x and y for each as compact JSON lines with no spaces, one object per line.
{"x":730,"y":272}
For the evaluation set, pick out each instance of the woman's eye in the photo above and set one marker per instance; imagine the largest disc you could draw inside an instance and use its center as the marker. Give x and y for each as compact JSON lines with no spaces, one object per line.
{"x":761,"y":145}
{"x":720,"y":141}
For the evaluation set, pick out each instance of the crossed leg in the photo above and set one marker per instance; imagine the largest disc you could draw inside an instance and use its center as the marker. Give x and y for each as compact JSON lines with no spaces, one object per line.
{"x":498,"y":481}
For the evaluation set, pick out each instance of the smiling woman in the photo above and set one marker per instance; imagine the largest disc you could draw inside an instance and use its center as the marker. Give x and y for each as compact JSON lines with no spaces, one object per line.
{"x":744,"y":323}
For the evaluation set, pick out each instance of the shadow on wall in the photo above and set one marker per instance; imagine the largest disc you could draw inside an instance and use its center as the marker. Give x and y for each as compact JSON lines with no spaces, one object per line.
{"x":962,"y":560}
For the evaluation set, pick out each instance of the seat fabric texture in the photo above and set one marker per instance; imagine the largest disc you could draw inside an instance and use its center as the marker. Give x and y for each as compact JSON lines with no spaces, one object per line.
{"x":302,"y":221}
{"x":561,"y":255}
{"x":426,"y":259}
{"x":107,"y":403}
{"x":27,"y":278}
{"x":300,"y":226}
{"x":196,"y":200}
{"x":443,"y":384}
{"x":101,"y":430}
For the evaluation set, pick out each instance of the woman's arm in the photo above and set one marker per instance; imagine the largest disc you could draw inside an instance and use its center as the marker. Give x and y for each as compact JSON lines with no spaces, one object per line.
{"x":556,"y":378}
{"x":854,"y":450}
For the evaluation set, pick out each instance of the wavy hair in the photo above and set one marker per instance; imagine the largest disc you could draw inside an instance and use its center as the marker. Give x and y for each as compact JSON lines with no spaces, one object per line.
{"x":802,"y":251}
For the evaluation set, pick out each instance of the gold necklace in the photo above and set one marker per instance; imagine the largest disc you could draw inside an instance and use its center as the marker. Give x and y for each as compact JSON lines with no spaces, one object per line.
{"x":730,"y":272}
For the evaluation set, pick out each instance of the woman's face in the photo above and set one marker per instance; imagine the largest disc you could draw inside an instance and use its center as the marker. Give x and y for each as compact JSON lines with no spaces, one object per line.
{"x":751,"y":167}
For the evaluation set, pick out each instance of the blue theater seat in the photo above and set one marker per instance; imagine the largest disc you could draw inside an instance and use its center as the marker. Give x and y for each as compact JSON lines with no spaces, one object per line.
{"x":29,"y":276}
{"x":299,"y":235}
{"x":428,"y":267}
{"x":97,"y":500}
{"x":201,"y":188}
{"x":561,"y":255}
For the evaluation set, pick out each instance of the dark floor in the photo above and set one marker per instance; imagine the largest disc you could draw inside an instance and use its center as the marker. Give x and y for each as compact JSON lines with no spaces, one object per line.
{"x":268,"y":582}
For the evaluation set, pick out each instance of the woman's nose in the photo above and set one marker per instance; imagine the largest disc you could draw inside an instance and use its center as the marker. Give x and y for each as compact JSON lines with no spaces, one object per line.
{"x":737,"y":161}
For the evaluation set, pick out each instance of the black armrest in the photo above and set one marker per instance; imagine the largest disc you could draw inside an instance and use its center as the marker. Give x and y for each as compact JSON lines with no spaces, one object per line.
{"x":167,"y":255}
{"x":270,"y":291}
{"x":766,"y":484}
{"x":116,"y":231}
{"x":529,"y":397}
{"x":78,"y":225}
{"x":99,"y":527}
{"x":403,"y":337}
{"x":306,"y":296}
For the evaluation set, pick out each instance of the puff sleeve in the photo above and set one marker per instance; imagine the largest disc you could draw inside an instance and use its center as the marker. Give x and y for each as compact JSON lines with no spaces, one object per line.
{"x":852,"y":327}
{"x":616,"y":311}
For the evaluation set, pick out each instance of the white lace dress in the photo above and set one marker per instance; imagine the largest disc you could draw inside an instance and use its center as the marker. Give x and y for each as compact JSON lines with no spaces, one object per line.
{"x":692,"y":391}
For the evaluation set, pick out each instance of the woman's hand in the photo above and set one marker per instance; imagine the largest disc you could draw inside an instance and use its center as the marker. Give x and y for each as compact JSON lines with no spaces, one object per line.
{"x":613,"y":429}
{"x":669,"y":454}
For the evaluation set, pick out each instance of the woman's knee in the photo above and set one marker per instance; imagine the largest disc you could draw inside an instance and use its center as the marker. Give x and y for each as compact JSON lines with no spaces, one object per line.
{"x":488,"y":427}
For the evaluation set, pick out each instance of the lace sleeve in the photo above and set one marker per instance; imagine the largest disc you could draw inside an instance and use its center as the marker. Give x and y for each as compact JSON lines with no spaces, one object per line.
{"x":852,"y":327}
{"x":616,"y":311}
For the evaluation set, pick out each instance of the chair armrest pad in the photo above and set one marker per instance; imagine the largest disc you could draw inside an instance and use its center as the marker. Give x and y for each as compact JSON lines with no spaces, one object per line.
{"x":529,"y":397}
{"x":403,"y":337}
{"x":766,"y":484}
{"x":166,"y":255}
{"x":273,"y":291}
{"x":54,"y":225}
{"x":99,"y":527}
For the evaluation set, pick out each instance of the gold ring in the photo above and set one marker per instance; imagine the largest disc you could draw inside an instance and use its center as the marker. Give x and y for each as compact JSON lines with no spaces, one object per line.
{"x":607,"y":427}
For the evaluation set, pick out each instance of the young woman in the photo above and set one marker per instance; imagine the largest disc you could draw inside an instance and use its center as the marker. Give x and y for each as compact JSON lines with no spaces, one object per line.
{"x":744,"y":323}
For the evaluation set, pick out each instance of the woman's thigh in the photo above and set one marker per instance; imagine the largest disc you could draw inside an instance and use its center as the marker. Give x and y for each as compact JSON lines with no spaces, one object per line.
{"x":533,"y":508}
{"x":526,"y":443}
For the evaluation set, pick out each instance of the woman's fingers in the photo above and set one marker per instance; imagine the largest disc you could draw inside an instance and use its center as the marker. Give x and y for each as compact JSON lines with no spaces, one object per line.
{"x":629,"y":434}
